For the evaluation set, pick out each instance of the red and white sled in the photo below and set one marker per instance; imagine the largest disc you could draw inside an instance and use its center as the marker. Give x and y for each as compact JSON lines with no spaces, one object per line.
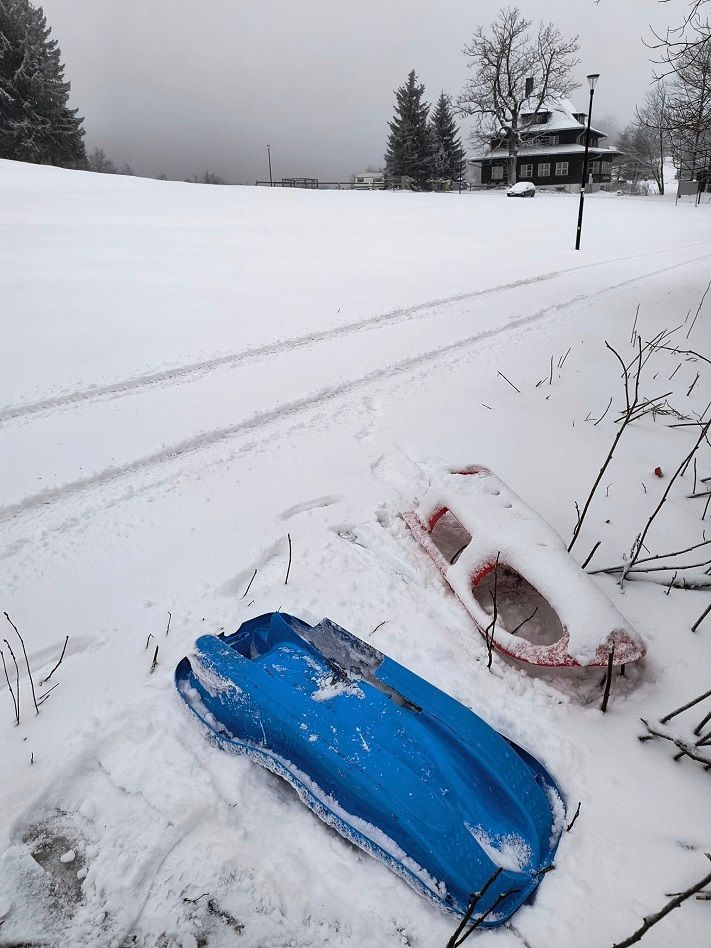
{"x":548,"y":611}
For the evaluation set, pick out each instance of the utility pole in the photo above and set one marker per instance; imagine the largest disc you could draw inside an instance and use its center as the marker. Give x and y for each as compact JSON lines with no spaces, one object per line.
{"x":269,"y":157}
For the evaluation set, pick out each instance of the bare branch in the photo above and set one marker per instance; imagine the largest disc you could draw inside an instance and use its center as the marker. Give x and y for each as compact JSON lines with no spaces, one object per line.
{"x":701,"y":618}
{"x":10,"y":688}
{"x":17,"y":681}
{"x":655,"y":512}
{"x":608,"y":679}
{"x":474,"y":899}
{"x":685,"y":707}
{"x":288,"y":568}
{"x":44,"y":682}
{"x":655,"y":917}
{"x":249,"y":584}
{"x":27,"y":661}
{"x":630,"y":409}
{"x":685,"y":749}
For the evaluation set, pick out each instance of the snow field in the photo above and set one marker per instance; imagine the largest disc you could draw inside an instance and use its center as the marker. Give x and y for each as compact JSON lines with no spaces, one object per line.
{"x":166,"y":495}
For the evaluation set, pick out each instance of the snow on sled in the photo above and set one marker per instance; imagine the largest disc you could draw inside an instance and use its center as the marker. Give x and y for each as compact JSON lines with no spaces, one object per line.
{"x":548,"y":610}
{"x":391,"y":762}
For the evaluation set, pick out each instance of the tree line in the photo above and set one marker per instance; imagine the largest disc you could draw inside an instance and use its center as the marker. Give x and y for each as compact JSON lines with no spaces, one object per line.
{"x":513,"y":72}
{"x":673,"y":121}
{"x":99,"y":162}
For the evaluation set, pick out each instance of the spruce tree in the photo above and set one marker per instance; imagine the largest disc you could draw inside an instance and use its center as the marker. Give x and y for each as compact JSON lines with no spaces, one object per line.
{"x":35,"y":122}
{"x":447,"y":151}
{"x":409,"y":149}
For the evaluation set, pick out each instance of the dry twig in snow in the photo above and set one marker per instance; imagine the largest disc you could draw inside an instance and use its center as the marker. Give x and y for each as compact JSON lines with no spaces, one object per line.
{"x":288,"y":568}
{"x":608,"y":680}
{"x":685,"y":707}
{"x":249,"y":585}
{"x":509,"y":381}
{"x":658,"y":916}
{"x":489,"y":633}
{"x":456,"y":940}
{"x":685,"y":749}
{"x":10,"y":689}
{"x":631,"y":404}
{"x":17,"y":681}
{"x":701,"y":618}
{"x":27,"y":661}
{"x":44,"y":681}
{"x":639,"y":544}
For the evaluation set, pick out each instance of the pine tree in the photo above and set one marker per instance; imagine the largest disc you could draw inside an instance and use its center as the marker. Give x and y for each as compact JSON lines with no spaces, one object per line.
{"x":409,"y":149}
{"x":35,"y":122}
{"x":447,"y":151}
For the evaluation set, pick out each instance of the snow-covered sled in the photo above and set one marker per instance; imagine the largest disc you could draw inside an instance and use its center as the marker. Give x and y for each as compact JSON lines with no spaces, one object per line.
{"x":548,"y":610}
{"x":392,"y":763}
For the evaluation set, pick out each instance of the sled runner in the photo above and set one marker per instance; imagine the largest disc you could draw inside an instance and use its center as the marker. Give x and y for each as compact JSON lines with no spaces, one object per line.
{"x":393,"y":764}
{"x":548,"y":611}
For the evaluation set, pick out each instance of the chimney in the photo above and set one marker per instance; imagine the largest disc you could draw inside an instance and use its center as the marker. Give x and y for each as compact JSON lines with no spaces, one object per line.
{"x":529,"y":87}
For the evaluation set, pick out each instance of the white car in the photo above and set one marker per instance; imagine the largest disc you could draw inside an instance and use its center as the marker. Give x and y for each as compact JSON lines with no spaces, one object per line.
{"x":522,"y":189}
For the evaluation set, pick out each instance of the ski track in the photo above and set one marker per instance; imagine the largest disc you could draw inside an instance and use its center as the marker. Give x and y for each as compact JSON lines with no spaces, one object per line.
{"x":417,"y":311}
{"x":298,"y":406}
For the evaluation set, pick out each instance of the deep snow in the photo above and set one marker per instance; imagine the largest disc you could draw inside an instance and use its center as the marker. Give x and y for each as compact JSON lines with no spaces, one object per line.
{"x":189,"y":373}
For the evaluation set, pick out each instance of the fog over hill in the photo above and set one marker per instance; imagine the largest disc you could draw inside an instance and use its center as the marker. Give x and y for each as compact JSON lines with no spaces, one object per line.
{"x":178,"y":87}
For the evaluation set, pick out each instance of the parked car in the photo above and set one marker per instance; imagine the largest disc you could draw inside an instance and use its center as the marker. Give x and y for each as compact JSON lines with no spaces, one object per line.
{"x":522,"y":189}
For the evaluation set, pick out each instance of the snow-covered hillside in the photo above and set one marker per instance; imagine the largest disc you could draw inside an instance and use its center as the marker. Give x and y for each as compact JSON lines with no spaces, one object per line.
{"x":190,"y":373}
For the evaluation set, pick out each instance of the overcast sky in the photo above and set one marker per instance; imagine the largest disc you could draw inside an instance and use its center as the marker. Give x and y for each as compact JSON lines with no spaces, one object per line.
{"x":185,"y":85}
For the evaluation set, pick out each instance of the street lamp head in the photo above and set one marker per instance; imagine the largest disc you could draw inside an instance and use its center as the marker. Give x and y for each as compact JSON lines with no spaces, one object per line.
{"x":592,"y":79}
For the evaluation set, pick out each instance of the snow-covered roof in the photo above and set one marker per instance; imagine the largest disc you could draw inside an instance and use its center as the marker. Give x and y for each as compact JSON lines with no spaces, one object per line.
{"x":561,"y":117}
{"x":562,"y":114}
{"x":541,"y":150}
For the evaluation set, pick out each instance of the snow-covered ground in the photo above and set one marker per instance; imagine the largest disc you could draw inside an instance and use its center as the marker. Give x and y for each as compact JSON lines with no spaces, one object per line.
{"x":188,"y":374}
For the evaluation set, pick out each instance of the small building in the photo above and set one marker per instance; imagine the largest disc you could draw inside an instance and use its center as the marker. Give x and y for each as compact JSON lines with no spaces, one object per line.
{"x":551,"y":151}
{"x":370,"y":181}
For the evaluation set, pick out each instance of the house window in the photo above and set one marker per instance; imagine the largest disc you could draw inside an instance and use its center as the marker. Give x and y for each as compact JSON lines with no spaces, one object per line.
{"x":544,"y":170}
{"x":561,"y":168}
{"x":497,"y":173}
{"x":526,"y":171}
{"x":553,"y":139}
{"x":596,"y":167}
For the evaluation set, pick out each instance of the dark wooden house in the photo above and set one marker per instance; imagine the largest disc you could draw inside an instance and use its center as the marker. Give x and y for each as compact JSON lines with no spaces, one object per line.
{"x":551,"y":152}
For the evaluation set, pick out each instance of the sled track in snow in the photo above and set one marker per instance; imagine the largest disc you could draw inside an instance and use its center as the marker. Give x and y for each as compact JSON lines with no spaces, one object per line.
{"x":194,"y":369}
{"x":287,"y":410}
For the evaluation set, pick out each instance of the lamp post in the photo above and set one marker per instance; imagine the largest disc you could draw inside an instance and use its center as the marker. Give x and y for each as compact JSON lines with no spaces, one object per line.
{"x":269,"y":156}
{"x":592,"y":79}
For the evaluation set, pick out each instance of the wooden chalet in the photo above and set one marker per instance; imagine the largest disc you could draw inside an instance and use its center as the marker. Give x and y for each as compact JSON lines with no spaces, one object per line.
{"x":551,"y":152}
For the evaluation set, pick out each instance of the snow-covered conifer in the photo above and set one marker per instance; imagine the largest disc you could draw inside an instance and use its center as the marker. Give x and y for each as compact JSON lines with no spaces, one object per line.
{"x":447,"y":151}
{"x":409,"y":150}
{"x":35,"y":122}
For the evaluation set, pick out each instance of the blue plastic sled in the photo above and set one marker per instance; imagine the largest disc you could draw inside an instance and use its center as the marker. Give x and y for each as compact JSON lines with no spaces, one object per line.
{"x":394,"y":764}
